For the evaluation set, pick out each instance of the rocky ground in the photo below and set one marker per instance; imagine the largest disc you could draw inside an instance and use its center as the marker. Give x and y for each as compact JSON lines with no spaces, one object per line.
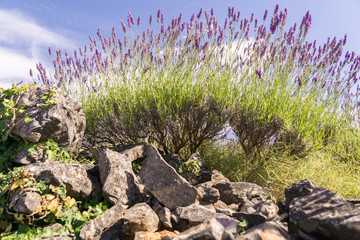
{"x":161,"y":199}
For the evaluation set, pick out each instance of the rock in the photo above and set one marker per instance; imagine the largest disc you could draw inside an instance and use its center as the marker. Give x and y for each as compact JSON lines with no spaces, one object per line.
{"x":163,"y":235}
{"x":95,"y":227}
{"x":195,"y":170}
{"x":253,"y":219}
{"x":323,"y":214}
{"x":210,"y":229}
{"x":162,"y":181}
{"x":218,"y":177}
{"x":165,"y":217}
{"x":24,"y":157}
{"x":266,"y":231}
{"x":194,"y":214}
{"x":209,"y":193}
{"x":24,"y":201}
{"x":298,"y":189}
{"x":140,"y":218}
{"x":57,"y":238}
{"x":63,"y":121}
{"x":173,"y":160}
{"x":133,"y":152}
{"x":71,"y":176}
{"x":239,"y":192}
{"x":119,"y":183}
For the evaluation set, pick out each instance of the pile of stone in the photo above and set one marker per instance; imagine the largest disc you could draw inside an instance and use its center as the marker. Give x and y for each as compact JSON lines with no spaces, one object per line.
{"x":159,"y":202}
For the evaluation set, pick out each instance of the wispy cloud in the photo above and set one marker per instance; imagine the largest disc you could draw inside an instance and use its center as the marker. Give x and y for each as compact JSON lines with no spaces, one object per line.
{"x":23,"y":43}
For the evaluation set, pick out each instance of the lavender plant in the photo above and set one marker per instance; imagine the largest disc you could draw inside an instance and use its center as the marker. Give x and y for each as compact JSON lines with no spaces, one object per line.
{"x":175,"y":86}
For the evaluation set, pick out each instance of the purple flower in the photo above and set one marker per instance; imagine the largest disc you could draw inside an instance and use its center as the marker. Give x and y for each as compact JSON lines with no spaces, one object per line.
{"x":123,"y":26}
{"x":192,"y":17}
{"x":265,"y":15}
{"x":276,"y":9}
{"x":199,"y":14}
{"x":31,"y":74}
{"x":138,"y":20}
{"x":258,"y":73}
{"x":299,"y":81}
{"x":49,"y":51}
{"x":212,"y":11}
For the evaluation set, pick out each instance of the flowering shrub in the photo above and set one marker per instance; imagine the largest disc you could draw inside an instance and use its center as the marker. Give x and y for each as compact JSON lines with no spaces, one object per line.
{"x":176,"y":86}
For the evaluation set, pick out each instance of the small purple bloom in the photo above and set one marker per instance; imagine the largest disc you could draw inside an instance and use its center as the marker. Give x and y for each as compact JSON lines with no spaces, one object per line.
{"x":258,"y":73}
{"x":138,"y":20}
{"x":49,"y":51}
{"x":265,"y":15}
{"x":199,"y":14}
{"x":276,"y":9}
{"x":31,"y":74}
{"x":123,"y":26}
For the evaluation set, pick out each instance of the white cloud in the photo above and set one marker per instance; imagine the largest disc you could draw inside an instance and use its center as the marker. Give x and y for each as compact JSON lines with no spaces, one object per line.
{"x":23,"y":43}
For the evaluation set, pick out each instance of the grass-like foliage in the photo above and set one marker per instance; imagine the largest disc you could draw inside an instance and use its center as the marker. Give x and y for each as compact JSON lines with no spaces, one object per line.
{"x":180,"y":85}
{"x":177,"y":86}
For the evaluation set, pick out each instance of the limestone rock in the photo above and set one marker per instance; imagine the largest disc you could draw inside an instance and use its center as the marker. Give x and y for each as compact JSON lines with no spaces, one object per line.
{"x":298,"y":189}
{"x":140,"y":218}
{"x":209,"y":193}
{"x":213,"y":229}
{"x":266,"y":231}
{"x":324,"y":214}
{"x":71,"y":176}
{"x":133,"y":152}
{"x":162,"y":181}
{"x":25,"y":201}
{"x":163,"y":235}
{"x":165,"y":217}
{"x":119,"y":183}
{"x":95,"y":227}
{"x":196,"y":171}
{"x":218,"y":177}
{"x":63,"y":121}
{"x":239,"y":192}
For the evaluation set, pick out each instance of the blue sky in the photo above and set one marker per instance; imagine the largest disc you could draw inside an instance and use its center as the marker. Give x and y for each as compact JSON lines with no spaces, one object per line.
{"x":29,"y":27}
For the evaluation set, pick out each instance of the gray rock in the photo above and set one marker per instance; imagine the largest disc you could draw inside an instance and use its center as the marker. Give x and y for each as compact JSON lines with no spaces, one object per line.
{"x":209,"y":193}
{"x":25,"y":201}
{"x":63,"y":121}
{"x":218,"y":177}
{"x":173,"y":160}
{"x":165,"y":217}
{"x":95,"y":227}
{"x":253,"y":219}
{"x":194,"y":214}
{"x":162,"y":181}
{"x":324,"y":214}
{"x":24,"y":157}
{"x":71,"y":176}
{"x":119,"y":183}
{"x":140,"y":218}
{"x":239,"y":192}
{"x":196,"y":171}
{"x":300,"y":188}
{"x":57,"y":238}
{"x":212,"y":229}
{"x":266,"y":209}
{"x":133,"y":152}
{"x":266,"y":231}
